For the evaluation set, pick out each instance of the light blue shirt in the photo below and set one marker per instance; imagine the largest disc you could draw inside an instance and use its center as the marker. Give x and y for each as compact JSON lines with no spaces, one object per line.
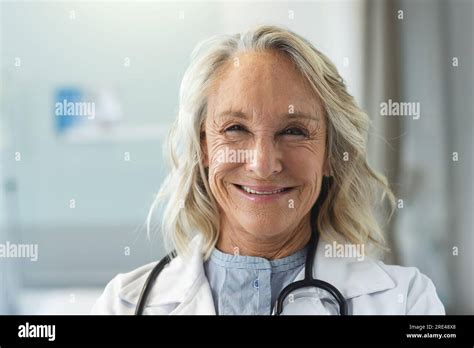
{"x":249,"y":285}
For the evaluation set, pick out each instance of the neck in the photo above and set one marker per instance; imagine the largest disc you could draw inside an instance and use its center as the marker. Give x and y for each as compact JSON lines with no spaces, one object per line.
{"x":235,"y":240}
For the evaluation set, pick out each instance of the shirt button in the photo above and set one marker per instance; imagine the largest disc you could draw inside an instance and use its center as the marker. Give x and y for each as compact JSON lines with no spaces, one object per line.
{"x":255,"y":283}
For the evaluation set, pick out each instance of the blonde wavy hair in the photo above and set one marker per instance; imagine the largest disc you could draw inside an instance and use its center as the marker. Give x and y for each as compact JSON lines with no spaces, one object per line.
{"x":188,"y":206}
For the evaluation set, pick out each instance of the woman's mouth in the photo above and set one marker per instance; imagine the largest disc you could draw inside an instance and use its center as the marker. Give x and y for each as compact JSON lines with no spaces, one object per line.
{"x":262,"y":193}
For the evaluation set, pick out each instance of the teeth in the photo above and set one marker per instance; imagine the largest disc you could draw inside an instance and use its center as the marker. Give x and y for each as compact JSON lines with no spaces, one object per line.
{"x":249,"y":190}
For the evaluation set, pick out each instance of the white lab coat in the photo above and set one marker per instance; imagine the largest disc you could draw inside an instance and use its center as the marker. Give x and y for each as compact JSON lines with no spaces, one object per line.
{"x":369,"y":287}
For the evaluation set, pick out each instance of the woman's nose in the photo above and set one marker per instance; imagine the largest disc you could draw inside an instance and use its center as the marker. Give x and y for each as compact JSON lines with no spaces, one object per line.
{"x":266,"y":159}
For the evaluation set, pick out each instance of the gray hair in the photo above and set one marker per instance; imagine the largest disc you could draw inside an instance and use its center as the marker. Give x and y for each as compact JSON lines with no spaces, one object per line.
{"x":189,"y":207}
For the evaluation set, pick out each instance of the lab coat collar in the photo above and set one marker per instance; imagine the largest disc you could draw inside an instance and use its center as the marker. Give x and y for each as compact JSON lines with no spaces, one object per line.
{"x":183,"y":281}
{"x":178,"y":283}
{"x":351,"y":275}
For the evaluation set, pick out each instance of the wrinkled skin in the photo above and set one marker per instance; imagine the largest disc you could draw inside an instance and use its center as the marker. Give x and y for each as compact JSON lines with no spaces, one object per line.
{"x":289,"y":152}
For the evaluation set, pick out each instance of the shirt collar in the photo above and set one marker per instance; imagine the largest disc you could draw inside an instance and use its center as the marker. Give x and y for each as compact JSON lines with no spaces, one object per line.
{"x":231,"y":261}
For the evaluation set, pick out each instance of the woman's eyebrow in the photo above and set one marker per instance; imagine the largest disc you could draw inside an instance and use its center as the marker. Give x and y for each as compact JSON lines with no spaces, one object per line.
{"x":293,"y":115}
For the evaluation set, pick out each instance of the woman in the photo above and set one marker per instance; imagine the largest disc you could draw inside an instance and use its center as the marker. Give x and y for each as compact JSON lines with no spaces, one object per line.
{"x":269,"y":169}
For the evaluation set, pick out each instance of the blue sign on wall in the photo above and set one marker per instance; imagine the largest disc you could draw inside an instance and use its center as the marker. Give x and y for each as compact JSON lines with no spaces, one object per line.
{"x":64,"y":120}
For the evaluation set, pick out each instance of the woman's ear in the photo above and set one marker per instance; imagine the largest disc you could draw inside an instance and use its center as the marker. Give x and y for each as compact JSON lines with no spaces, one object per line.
{"x":205,"y":156}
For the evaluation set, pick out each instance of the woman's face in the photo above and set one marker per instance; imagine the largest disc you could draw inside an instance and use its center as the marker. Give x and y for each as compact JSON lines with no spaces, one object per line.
{"x":265,"y":131}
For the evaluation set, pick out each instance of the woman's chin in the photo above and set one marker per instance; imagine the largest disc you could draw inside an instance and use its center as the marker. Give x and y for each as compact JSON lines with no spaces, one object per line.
{"x":264,"y":227}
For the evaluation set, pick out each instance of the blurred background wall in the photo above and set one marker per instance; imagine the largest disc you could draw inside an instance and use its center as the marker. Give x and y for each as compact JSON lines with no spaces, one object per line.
{"x":81,"y":190}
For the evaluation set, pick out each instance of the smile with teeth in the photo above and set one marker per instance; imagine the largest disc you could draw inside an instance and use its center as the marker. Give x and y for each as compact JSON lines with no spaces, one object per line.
{"x":249,"y":190}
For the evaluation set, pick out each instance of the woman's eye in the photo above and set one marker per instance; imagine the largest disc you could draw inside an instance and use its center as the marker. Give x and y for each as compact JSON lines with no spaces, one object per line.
{"x":294,"y":131}
{"x":234,"y":128}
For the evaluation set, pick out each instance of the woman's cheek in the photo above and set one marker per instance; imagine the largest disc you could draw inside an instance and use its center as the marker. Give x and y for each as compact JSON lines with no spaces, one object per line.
{"x":217,"y":175}
{"x":305,"y":166}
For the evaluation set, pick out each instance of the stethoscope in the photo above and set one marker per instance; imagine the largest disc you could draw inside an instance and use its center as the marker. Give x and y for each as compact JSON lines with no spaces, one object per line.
{"x":308,"y":281}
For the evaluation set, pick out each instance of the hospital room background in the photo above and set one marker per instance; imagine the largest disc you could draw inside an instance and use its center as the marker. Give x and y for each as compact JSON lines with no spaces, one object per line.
{"x":79,"y":188}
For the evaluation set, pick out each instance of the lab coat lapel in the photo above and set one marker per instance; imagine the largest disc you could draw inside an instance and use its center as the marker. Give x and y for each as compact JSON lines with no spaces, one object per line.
{"x":181,"y":288}
{"x":350,"y":275}
{"x":199,"y":301}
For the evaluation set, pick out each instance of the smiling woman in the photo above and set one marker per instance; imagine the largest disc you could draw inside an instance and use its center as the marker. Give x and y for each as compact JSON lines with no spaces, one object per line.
{"x":248,"y":226}
{"x":290,"y":154}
